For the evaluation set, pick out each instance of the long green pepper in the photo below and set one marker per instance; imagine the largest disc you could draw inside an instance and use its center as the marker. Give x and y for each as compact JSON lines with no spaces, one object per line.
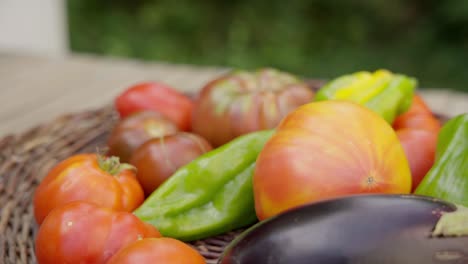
{"x":210,"y":195}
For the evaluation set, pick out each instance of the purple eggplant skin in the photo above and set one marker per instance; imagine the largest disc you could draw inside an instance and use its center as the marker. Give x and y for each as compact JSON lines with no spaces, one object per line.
{"x":355,"y":229}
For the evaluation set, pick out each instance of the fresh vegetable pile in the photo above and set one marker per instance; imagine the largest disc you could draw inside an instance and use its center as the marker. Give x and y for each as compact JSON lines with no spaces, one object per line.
{"x":246,"y":148}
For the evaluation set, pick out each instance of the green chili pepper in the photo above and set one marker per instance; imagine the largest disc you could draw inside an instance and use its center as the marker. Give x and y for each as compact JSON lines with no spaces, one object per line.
{"x":448,"y":177}
{"x":384,"y":92}
{"x":210,"y":195}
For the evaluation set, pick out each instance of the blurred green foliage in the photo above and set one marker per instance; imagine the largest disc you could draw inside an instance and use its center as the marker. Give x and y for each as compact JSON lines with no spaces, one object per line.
{"x":427,"y":39}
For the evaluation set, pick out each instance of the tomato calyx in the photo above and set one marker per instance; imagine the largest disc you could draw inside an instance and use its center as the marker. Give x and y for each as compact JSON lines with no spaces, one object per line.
{"x":112,"y":165}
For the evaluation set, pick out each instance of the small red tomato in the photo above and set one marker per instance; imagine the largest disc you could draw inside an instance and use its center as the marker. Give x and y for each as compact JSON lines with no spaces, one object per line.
{"x":157,"y":250}
{"x":419,"y":116}
{"x":419,"y":146}
{"x":134,"y":130}
{"x":88,"y":177}
{"x":158,"y":97}
{"x":81,"y":232}
{"x":157,"y":159}
{"x":417,"y":130}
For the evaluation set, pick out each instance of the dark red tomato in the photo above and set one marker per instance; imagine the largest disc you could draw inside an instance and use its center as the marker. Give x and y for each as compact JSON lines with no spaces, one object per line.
{"x":157,"y":159}
{"x":419,"y":146}
{"x":158,"y":250}
{"x":88,"y":177}
{"x":242,"y":102}
{"x":81,"y":232}
{"x":158,"y":97}
{"x":136,"y":129}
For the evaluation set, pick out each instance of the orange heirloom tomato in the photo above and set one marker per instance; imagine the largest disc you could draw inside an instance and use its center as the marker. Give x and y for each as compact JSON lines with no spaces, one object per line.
{"x":81,"y":232}
{"x":88,"y":177}
{"x":326,"y":150}
{"x":157,"y":250}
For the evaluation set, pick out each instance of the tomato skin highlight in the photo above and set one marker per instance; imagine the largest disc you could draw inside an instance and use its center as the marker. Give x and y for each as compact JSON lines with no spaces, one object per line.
{"x":158,"y":97}
{"x":157,"y":250}
{"x":80,"y":178}
{"x":82,"y":232}
{"x":326,"y":150}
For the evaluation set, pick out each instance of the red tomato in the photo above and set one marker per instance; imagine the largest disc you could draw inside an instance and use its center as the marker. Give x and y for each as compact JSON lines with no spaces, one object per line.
{"x":81,"y":232}
{"x":420,"y":147}
{"x":417,"y":130}
{"x":134,"y":130}
{"x":157,"y":159}
{"x":157,"y":250}
{"x":158,"y":97}
{"x":85,"y":177}
{"x":326,"y":150}
{"x":242,"y":102}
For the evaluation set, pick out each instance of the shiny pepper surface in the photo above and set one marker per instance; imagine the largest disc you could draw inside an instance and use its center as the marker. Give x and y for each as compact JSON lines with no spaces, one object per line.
{"x":382,"y":91}
{"x":210,"y":195}
{"x":448,"y":178}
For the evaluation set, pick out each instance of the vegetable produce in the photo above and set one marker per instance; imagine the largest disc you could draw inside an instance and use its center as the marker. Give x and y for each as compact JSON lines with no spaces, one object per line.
{"x":210,"y":195}
{"x":241,"y":102}
{"x":355,"y":229}
{"x":382,"y":91}
{"x":324,"y":150}
{"x":81,"y":232}
{"x":158,"y":97}
{"x":134,"y":130}
{"x":417,"y":130}
{"x":419,"y":116}
{"x":88,"y":177}
{"x":157,"y":250}
{"x":158,"y":158}
{"x":448,"y":178}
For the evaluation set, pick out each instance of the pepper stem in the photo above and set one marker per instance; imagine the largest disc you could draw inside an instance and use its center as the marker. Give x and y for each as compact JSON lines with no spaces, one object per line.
{"x":112,"y":165}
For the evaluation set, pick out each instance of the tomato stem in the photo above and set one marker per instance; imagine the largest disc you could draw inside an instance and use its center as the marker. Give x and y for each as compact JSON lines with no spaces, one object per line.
{"x":112,"y":165}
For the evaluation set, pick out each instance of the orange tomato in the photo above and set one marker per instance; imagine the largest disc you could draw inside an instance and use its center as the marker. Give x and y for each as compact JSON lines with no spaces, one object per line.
{"x":85,"y":177}
{"x":157,"y":250}
{"x":326,"y":150}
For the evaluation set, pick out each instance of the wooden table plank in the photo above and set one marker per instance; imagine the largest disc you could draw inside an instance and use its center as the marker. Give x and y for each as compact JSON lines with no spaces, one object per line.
{"x":35,"y":90}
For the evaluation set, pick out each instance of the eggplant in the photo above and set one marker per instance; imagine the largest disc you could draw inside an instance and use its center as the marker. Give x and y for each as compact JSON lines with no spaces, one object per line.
{"x":360,"y":229}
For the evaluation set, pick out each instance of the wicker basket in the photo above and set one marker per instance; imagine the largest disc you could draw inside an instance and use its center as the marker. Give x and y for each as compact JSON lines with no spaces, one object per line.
{"x":26,"y":158}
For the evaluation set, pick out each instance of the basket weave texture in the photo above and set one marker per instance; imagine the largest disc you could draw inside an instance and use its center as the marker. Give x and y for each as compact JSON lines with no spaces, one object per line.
{"x":26,"y":158}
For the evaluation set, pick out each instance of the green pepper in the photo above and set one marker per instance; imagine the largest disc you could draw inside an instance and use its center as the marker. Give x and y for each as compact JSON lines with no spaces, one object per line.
{"x":448,"y":177}
{"x":210,"y":195}
{"x":384,"y":92}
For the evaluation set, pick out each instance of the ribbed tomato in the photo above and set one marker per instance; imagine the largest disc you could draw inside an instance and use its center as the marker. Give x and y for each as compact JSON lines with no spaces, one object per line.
{"x":325,"y":150}
{"x":241,"y":102}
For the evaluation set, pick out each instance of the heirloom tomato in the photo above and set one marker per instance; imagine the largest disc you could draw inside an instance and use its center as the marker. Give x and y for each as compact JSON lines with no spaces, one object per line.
{"x":326,"y":150}
{"x":82,"y":232}
{"x":417,"y":130}
{"x":157,"y":250}
{"x":134,"y":130}
{"x":241,"y":102}
{"x":157,"y":159}
{"x":158,"y":97}
{"x":88,"y":177}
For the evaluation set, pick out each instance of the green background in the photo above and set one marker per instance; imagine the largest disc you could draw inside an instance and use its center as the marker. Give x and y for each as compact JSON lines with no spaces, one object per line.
{"x":427,"y":39}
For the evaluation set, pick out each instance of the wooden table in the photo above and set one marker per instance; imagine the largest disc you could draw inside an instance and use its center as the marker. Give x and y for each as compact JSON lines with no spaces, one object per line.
{"x":35,"y":90}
